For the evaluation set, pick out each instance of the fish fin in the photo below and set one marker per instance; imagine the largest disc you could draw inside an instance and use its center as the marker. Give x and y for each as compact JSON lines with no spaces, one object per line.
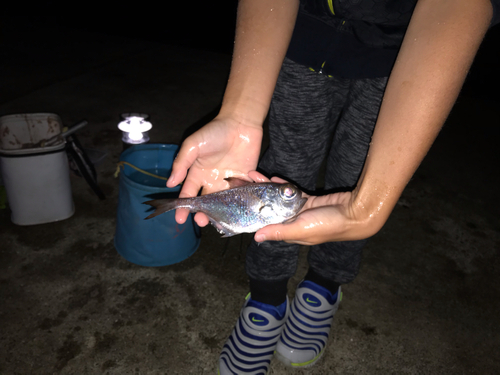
{"x":161,"y":205}
{"x":235,"y":182}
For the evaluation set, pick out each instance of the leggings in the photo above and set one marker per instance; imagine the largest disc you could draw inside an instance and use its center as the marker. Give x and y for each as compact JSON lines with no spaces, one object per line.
{"x":313,"y":117}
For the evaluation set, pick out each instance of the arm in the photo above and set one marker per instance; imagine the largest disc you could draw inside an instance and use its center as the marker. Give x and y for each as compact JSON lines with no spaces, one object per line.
{"x":437,"y":51}
{"x":263,"y":31}
{"x":230,"y":144}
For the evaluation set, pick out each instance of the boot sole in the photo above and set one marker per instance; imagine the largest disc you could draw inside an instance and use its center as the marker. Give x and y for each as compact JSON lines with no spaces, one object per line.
{"x":287,"y":362}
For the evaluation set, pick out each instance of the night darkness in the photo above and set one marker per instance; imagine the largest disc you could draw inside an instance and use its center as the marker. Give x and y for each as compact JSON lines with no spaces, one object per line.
{"x":427,"y":296}
{"x":201,"y":25}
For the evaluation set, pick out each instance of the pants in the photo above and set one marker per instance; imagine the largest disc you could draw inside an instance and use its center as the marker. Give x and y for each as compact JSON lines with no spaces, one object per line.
{"x":313,"y":117}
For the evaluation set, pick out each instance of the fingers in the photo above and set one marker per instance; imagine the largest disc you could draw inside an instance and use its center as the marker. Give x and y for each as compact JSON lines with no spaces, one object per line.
{"x":278,"y":180}
{"x":181,"y":215}
{"x":184,"y":160}
{"x":201,"y":219}
{"x":189,"y":189}
{"x":269,"y":233}
{"x":280,"y":232}
{"x":258,"y":177}
{"x":311,"y":227}
{"x":315,"y":226}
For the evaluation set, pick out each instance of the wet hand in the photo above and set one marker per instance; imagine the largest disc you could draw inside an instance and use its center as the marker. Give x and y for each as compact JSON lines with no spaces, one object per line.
{"x":322,"y":219}
{"x":328,"y":222}
{"x":222,"y":148}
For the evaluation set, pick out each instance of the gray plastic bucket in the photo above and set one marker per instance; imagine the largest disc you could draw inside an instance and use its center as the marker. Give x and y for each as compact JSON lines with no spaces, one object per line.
{"x":36,"y":178}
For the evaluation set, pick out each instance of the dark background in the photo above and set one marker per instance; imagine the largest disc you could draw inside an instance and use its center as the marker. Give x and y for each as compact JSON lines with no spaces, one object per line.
{"x":207,"y":25}
{"x":426,"y":301}
{"x":200,"y":25}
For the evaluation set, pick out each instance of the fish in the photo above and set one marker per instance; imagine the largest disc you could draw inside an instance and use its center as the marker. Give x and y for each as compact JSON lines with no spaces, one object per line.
{"x":243,"y":208}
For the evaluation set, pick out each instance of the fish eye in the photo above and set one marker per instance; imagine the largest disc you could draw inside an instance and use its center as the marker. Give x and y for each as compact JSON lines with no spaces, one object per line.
{"x":288,"y":192}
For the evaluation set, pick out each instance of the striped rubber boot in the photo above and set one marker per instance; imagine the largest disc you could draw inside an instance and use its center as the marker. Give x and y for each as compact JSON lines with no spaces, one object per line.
{"x":251,"y":345}
{"x":306,"y":331}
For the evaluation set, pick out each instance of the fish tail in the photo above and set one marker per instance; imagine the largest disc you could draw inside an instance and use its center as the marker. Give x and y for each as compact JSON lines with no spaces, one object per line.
{"x":162,"y":206}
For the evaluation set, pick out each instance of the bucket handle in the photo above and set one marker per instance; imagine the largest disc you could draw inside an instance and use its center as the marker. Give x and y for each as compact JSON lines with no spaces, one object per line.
{"x":122,"y":164}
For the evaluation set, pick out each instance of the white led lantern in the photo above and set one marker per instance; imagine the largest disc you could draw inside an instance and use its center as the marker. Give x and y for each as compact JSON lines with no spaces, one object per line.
{"x":135,"y":129}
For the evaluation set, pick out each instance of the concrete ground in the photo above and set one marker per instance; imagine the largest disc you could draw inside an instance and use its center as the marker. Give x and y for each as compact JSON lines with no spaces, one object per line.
{"x":426,"y":300}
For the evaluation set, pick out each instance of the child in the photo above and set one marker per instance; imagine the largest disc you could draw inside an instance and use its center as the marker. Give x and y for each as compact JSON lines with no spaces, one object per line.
{"x":365,"y":84}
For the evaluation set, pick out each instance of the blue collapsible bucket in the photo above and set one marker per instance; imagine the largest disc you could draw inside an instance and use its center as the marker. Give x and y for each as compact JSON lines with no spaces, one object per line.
{"x":159,"y":241}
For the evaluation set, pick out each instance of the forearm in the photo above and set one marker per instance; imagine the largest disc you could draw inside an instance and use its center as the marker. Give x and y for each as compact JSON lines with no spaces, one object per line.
{"x":263,"y":32}
{"x":438,"y":49}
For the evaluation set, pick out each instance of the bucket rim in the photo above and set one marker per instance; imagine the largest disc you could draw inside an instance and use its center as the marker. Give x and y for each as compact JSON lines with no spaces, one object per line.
{"x":16,"y":118}
{"x":34,"y":114}
{"x":31,"y":151}
{"x":149,"y":146}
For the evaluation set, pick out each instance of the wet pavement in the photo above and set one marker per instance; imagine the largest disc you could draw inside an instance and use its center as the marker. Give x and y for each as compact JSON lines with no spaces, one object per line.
{"x":426,"y":300}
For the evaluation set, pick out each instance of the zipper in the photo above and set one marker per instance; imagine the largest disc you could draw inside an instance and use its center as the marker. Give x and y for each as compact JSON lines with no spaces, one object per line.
{"x":321,"y":69}
{"x":330,"y":5}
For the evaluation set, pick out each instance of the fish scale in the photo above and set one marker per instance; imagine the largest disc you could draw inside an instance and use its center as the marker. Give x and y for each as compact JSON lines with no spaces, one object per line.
{"x":244,"y":208}
{"x":240,"y":207}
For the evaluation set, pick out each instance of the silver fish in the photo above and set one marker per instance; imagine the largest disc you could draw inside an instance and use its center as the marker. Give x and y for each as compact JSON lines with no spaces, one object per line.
{"x":244,"y":208}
